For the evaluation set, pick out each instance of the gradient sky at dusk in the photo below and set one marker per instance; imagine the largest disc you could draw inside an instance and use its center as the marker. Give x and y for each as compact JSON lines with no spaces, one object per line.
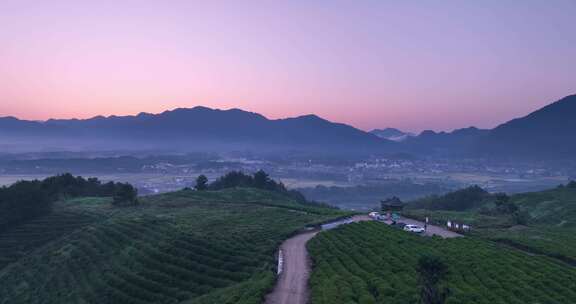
{"x":408,"y":64}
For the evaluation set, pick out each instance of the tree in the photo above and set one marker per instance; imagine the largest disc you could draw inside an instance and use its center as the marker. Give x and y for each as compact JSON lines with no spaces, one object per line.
{"x":125,"y":195}
{"x":201,"y":183}
{"x":571,"y":185}
{"x":432,"y":271}
{"x":27,"y":200}
{"x":520,"y":218}
{"x":23,"y":201}
{"x":501,"y":199}
{"x":504,"y":205}
{"x":459,"y":200}
{"x":261,"y":180}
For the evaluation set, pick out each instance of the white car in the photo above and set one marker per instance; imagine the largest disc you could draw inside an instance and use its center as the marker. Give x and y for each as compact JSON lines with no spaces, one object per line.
{"x":414,"y":228}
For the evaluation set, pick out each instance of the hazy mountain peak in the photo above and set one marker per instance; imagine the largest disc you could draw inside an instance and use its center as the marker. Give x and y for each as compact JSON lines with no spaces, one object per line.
{"x":310,"y":117}
{"x":7,"y":118}
{"x":428,"y":133}
{"x":547,"y":132}
{"x":391,"y":134}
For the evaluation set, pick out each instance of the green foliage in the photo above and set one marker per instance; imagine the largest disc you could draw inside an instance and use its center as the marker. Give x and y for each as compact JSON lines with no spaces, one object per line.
{"x":125,"y":195}
{"x":259,"y":180}
{"x":187,"y":246}
{"x":27,"y":200}
{"x":556,"y":242}
{"x":432,"y":270}
{"x":201,"y":183}
{"x":460,"y":200}
{"x":548,"y":220}
{"x":23,"y":201}
{"x":366,"y":196}
{"x":373,"y":261}
{"x":504,"y":205}
{"x":477,"y":220}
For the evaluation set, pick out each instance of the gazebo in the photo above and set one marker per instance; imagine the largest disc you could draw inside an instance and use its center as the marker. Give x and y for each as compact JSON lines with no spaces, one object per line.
{"x":392,"y":207}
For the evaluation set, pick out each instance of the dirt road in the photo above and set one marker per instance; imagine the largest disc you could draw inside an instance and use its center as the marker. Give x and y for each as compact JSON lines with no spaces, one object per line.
{"x":292,"y":285}
{"x":432,"y":229}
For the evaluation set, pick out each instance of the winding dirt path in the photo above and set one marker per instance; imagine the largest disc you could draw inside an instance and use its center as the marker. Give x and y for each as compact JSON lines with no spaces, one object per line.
{"x":292,"y":285}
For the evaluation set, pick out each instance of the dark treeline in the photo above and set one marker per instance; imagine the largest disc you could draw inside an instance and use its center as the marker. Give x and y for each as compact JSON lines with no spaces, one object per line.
{"x":475,"y":199}
{"x":459,"y":200}
{"x":26,"y":200}
{"x":258,"y":180}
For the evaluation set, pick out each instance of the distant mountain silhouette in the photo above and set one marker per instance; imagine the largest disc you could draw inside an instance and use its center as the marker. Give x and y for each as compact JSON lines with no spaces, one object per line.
{"x":391,"y":134}
{"x":198,"y":128}
{"x":460,"y":142}
{"x":546,"y":133}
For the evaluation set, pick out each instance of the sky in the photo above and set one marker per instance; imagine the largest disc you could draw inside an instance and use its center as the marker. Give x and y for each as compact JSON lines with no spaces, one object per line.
{"x":408,"y":64}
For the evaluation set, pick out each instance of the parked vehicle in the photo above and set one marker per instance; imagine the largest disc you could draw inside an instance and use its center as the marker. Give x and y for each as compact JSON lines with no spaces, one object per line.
{"x":374,"y":215}
{"x":414,"y":228}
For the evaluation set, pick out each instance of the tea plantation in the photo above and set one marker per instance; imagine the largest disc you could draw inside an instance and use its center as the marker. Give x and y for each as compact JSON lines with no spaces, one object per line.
{"x":373,"y":263}
{"x":182,"y":247}
{"x":550,"y":228}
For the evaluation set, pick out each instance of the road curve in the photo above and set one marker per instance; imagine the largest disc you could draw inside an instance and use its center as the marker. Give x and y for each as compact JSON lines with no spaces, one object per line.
{"x":292,"y":284}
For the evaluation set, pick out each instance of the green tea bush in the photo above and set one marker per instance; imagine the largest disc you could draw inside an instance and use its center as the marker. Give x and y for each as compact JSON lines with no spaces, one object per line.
{"x":378,"y":265}
{"x":186,"y":247}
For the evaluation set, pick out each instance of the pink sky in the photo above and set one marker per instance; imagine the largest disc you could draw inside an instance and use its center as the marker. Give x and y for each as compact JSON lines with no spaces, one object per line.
{"x":413,"y":65}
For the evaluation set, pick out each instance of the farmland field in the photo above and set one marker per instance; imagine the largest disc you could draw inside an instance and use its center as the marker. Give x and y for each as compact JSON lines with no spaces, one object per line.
{"x":552,"y":241}
{"x":373,"y":263}
{"x":181,"y":247}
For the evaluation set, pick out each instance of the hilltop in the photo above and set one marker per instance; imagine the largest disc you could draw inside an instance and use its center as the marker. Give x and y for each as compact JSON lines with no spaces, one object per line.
{"x":187,"y":246}
{"x":547,"y":132}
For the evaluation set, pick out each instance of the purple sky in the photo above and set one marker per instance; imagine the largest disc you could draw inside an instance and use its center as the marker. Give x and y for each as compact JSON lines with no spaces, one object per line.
{"x":372,"y":64}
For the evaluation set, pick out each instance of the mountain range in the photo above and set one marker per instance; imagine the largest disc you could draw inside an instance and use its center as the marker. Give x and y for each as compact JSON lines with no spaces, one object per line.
{"x":198,"y":128}
{"x":545,"y":133}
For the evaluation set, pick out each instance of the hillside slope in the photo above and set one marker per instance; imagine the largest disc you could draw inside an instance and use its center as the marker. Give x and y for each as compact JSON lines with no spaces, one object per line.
{"x":555,"y":207}
{"x":547,"y":132}
{"x":374,"y":263}
{"x":550,"y":227}
{"x":181,"y":246}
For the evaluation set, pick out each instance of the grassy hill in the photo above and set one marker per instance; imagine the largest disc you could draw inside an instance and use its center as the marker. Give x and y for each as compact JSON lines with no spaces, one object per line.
{"x":555,"y":207}
{"x":373,"y":263}
{"x":550,"y":228}
{"x":182,"y":247}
